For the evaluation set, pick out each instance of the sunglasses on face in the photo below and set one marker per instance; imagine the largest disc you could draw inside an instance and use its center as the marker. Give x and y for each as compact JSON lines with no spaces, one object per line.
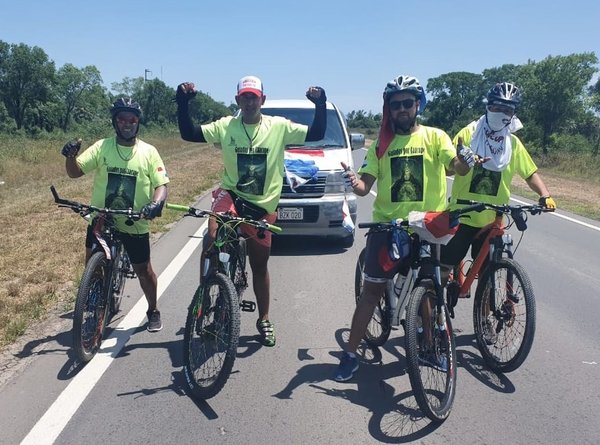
{"x":501,"y":109}
{"x":127,"y":120}
{"x":406,"y":104}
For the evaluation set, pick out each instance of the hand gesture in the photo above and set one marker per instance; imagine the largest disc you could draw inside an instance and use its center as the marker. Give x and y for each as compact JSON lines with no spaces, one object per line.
{"x":71,"y":148}
{"x":465,"y":153}
{"x":152,"y":210}
{"x":547,"y":202}
{"x":350,"y":179}
{"x":316,"y":95}
{"x":185,"y":92}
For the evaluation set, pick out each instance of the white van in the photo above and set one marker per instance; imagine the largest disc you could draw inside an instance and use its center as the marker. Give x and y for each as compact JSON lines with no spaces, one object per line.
{"x":314,"y":192}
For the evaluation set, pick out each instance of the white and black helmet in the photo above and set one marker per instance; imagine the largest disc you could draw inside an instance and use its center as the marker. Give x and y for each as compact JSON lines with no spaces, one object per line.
{"x":406,"y":84}
{"x":504,"y":93}
{"x":125,"y":104}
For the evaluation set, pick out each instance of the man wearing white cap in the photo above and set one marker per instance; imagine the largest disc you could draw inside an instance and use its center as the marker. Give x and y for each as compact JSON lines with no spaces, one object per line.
{"x":253,"y":152}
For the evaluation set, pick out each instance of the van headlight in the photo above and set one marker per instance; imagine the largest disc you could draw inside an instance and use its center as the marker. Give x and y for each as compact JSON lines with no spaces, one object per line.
{"x":335,"y":183}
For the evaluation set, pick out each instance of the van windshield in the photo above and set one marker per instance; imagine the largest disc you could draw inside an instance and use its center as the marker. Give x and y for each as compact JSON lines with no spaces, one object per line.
{"x":334,"y":134}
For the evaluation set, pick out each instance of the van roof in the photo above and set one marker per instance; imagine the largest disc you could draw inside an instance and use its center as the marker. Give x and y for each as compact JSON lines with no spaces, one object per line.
{"x":293,"y":103}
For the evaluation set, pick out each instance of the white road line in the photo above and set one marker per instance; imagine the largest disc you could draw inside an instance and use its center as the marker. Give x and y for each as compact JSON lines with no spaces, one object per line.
{"x":54,"y":420}
{"x":568,"y":218}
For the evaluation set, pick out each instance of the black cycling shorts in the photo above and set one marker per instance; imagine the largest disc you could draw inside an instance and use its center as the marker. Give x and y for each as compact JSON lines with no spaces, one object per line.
{"x":137,"y":246}
{"x":453,"y":252}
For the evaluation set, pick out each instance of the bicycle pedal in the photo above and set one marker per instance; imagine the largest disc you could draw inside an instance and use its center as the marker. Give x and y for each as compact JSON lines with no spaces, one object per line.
{"x":248,"y":306}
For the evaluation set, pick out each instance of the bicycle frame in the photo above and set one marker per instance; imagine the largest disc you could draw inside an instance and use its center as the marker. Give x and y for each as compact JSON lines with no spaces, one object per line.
{"x":495,"y":230}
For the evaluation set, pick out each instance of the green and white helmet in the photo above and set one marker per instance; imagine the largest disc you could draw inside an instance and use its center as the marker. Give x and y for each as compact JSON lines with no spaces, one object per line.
{"x":406,"y":84}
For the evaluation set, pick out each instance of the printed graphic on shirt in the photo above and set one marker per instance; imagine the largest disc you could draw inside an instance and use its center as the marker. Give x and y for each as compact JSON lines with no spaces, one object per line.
{"x":252,"y":170}
{"x":120,"y":191}
{"x":485,"y":182}
{"x":407,"y":178}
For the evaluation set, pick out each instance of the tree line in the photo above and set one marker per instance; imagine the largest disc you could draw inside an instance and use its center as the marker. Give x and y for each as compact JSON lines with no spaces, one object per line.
{"x":37,"y":97}
{"x":560,"y":102}
{"x":560,"y":108}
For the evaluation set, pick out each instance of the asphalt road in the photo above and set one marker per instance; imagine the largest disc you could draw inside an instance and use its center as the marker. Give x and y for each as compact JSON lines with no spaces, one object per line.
{"x":133,"y":390}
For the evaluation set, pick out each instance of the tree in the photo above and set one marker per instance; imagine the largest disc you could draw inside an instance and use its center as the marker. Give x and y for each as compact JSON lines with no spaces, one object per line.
{"x":156,"y":100}
{"x":555,"y":92}
{"x":456,"y":100}
{"x":72,"y":86}
{"x":26,"y":79}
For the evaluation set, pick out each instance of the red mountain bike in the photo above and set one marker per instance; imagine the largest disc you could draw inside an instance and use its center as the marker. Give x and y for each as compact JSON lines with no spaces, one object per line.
{"x":504,"y":306}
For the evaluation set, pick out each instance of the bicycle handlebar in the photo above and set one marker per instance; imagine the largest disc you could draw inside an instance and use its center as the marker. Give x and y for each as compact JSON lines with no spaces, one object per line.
{"x":534,"y":209}
{"x":86,"y":209}
{"x":225,"y":217}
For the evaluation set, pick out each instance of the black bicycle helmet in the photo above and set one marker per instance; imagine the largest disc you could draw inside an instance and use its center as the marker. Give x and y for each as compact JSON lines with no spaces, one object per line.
{"x":504,"y":93}
{"x":125,"y":104}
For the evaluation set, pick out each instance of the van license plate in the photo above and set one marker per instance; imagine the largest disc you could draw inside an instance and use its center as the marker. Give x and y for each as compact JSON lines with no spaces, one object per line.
{"x":290,"y":213}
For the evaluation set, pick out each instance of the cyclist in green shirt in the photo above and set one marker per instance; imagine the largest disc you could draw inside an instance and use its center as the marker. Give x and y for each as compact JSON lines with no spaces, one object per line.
{"x":499,"y":156}
{"x":409,"y":163}
{"x":128,"y":173}
{"x":253,"y":152}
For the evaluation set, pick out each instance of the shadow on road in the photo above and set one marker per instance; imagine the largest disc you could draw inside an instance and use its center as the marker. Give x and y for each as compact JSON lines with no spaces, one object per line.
{"x":305,"y":246}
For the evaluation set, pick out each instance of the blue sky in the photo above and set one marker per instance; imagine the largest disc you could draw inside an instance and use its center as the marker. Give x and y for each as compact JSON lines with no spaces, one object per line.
{"x":350,"y":48}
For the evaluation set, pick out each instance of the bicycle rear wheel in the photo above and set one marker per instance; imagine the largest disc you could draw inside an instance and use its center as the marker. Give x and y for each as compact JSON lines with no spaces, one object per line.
{"x":430,"y":354}
{"x":504,"y":315}
{"x":379,"y":327}
{"x":212,"y":331}
{"x":91,"y":308}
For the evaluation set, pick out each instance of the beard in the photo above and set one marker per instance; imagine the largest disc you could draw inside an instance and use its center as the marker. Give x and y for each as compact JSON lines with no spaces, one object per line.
{"x":404,"y":125}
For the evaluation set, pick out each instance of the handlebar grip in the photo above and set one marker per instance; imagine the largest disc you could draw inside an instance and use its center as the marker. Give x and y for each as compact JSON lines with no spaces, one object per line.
{"x":368,"y":225}
{"x":477,"y":207}
{"x":274,"y":229}
{"x":178,"y":207}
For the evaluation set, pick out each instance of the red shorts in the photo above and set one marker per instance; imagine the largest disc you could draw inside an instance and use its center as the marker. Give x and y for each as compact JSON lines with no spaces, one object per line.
{"x":222,"y":202}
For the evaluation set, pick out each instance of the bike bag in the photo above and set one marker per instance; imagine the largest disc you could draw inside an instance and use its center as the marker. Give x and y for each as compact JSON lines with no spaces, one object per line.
{"x":399,"y":242}
{"x":246,"y":209}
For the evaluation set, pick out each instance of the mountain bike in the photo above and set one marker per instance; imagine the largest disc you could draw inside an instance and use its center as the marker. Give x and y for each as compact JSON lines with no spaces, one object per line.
{"x":101,"y":288}
{"x":504,"y":313}
{"x":416,"y":301}
{"x":212,"y":325}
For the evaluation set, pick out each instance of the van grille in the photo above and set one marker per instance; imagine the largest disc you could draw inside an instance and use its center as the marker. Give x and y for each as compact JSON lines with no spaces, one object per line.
{"x":314,"y":188}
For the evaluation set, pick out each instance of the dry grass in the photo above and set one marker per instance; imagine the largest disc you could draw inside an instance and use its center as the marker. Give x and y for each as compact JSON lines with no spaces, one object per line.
{"x":41,"y":246}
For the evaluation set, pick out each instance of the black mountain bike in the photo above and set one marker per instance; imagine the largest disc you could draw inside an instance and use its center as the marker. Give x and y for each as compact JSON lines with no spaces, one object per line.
{"x":101,"y":287}
{"x":417,"y":302}
{"x":212,"y":326}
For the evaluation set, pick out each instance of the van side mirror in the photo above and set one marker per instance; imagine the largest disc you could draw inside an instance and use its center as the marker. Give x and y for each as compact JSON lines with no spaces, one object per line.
{"x":357,"y":140}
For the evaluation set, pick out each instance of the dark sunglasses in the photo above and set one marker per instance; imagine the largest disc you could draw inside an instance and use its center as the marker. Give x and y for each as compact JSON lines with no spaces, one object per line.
{"x":406,"y":104}
{"x":127,"y":120}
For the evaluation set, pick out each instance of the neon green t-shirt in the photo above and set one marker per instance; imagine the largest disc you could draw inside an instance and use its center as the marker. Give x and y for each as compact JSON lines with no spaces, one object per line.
{"x":253,"y":155}
{"x":489,"y":186}
{"x":125,"y":177}
{"x":411,"y":174}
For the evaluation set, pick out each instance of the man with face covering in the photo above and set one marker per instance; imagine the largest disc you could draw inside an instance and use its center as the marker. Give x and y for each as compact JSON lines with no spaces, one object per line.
{"x":499,"y":154}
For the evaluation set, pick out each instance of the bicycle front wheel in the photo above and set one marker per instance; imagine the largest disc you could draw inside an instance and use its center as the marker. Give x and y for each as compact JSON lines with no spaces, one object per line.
{"x":91,"y":308}
{"x":121,"y":266}
{"x":379,"y":327}
{"x":430,"y":353}
{"x":238,"y":263}
{"x":504,"y":315}
{"x":212,"y":331}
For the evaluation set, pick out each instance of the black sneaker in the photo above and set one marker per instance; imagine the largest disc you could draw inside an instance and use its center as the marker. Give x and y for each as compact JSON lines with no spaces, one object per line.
{"x":154,"y":323}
